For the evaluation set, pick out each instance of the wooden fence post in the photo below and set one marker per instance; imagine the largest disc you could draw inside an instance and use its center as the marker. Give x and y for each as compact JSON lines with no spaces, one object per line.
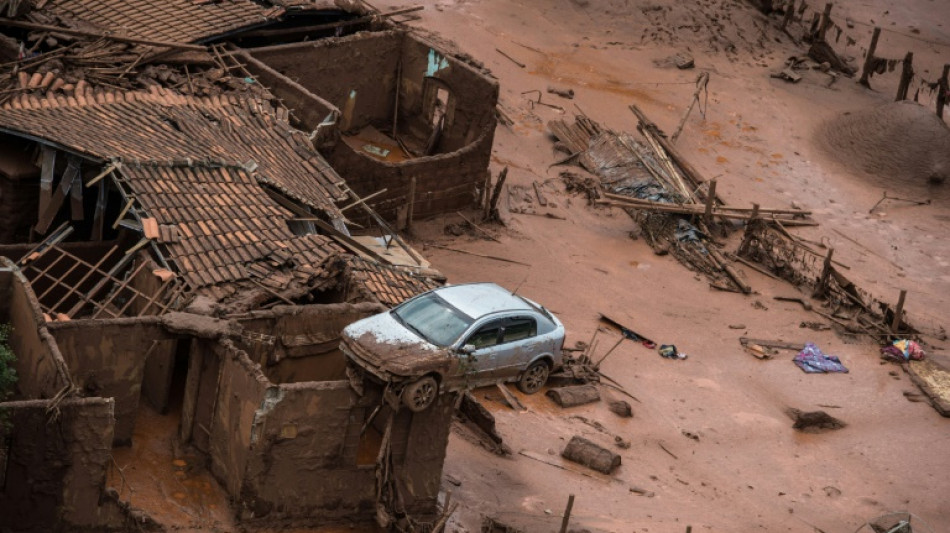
{"x":907,"y":75}
{"x":825,"y":23}
{"x":869,"y":59}
{"x":567,"y":514}
{"x":943,"y":87}
{"x":898,"y":311}
{"x":412,"y":203}
{"x":789,"y":12}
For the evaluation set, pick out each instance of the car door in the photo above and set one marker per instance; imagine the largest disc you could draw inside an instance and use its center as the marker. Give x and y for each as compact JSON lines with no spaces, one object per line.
{"x":519,"y":339}
{"x":477,"y":367}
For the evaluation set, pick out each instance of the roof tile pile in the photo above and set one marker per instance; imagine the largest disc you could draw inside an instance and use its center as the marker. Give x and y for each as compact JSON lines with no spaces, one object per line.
{"x":388,"y":285}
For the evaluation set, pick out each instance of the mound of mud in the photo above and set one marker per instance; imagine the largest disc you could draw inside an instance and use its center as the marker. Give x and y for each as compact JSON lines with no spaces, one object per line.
{"x":900,"y":141}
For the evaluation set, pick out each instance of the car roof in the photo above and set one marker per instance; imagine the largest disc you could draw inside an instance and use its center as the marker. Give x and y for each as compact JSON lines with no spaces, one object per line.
{"x":479,"y":299}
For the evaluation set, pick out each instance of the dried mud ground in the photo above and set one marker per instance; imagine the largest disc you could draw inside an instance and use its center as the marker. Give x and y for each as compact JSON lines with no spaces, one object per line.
{"x":746,"y":469}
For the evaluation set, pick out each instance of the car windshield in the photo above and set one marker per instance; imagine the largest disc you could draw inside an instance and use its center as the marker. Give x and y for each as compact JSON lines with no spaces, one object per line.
{"x":433,"y":319}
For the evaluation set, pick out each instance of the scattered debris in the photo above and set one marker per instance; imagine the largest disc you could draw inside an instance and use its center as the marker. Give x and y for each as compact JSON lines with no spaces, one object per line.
{"x":933,"y":378}
{"x":574,"y":395}
{"x":814,"y":421}
{"x":813,"y":361}
{"x":620,"y":408}
{"x":510,"y":398}
{"x":563,"y":92}
{"x":643,"y":492}
{"x":787,"y":75}
{"x":513,"y":60}
{"x":591,"y":455}
{"x":669,"y":351}
{"x":491,"y":525}
{"x":472,"y":411}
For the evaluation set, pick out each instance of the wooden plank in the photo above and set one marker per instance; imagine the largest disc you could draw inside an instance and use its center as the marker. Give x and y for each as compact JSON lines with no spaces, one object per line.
{"x":92,"y":268}
{"x":122,"y":286}
{"x":513,"y":402}
{"x":349,"y":242}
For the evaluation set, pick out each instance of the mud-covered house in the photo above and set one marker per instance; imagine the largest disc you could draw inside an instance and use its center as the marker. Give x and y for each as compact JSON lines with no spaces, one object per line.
{"x":181,"y":243}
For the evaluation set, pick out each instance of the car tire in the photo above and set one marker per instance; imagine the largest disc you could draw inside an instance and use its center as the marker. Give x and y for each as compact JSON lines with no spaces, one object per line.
{"x":419,"y":395}
{"x":534,"y":377}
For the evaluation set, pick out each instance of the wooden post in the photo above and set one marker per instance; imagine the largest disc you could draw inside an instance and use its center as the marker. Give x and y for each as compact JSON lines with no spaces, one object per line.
{"x":755,"y":212}
{"x":492,"y":208}
{"x":567,"y":514}
{"x":789,"y":12}
{"x":825,"y":23}
{"x":907,"y":75}
{"x":869,"y":59}
{"x":412,"y":203}
{"x":486,"y":196}
{"x":825,"y":273}
{"x":710,"y":201}
{"x":701,"y":83}
{"x":898,"y":311}
{"x":943,"y":88}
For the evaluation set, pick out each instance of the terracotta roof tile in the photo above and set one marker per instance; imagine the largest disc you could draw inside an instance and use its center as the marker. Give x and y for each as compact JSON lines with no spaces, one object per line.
{"x":189,"y":129}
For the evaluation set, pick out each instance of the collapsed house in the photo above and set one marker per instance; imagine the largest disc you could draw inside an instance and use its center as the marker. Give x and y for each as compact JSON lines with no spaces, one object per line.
{"x":178,"y":238}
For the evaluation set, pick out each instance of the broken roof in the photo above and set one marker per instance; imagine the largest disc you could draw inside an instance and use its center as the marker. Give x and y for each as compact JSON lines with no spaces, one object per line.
{"x":219,"y":226}
{"x":178,"y":21}
{"x":388,"y":285}
{"x":160,"y":126}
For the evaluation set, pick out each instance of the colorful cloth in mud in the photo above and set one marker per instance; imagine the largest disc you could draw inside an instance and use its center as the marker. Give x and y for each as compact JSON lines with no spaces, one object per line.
{"x":903,"y":350}
{"x":813,"y":361}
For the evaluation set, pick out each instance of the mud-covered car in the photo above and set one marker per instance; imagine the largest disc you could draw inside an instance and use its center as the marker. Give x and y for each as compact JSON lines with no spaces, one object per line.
{"x":453,"y":338}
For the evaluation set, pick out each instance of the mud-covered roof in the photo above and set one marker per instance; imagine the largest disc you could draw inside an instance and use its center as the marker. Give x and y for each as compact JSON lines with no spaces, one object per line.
{"x":218,"y":226}
{"x":180,"y":21}
{"x":161,"y":126}
{"x":388,"y":285}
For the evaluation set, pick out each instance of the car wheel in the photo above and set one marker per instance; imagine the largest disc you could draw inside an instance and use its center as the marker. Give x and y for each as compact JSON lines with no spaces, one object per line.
{"x":420,"y":394}
{"x":534,"y":377}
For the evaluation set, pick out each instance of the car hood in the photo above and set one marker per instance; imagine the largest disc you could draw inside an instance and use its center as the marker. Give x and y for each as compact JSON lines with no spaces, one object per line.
{"x":385,"y":344}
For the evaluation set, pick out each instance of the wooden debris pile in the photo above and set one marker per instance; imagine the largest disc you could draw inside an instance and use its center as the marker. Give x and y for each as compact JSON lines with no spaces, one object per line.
{"x":632,"y":173}
{"x":853,"y":310}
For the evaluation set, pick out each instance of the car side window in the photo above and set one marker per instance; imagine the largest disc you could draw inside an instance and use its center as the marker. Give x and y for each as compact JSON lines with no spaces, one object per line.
{"x":519,"y":329}
{"x":486,"y":336}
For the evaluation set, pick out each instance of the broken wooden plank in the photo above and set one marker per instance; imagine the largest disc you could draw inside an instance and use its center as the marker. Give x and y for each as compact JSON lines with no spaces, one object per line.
{"x":484,"y":256}
{"x":513,"y":402}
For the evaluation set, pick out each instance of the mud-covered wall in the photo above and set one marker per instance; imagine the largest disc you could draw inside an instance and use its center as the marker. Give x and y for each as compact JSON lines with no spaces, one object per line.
{"x":241,"y":392}
{"x":39,"y":364}
{"x":298,"y":465}
{"x":107,"y":358}
{"x":302,"y":343}
{"x":471,"y":94}
{"x":307,"y":110}
{"x":356,"y":73}
{"x":419,"y":470}
{"x":56,"y":469}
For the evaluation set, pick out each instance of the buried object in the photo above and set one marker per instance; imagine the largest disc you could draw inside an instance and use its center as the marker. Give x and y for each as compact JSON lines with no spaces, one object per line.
{"x":591,"y":455}
{"x":455,"y":338}
{"x":814,"y":421}
{"x":574,"y":395}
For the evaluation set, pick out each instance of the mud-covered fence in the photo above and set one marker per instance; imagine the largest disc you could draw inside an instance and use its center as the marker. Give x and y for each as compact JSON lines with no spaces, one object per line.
{"x":817,"y":26}
{"x":855,"y":311}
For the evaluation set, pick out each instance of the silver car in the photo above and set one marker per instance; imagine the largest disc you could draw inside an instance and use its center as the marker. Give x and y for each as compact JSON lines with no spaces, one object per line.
{"x":454,"y":338}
